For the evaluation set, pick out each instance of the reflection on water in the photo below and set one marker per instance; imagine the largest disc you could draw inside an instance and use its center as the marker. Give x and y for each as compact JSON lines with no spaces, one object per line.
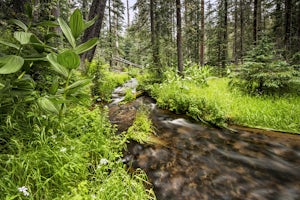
{"x":200,"y":162}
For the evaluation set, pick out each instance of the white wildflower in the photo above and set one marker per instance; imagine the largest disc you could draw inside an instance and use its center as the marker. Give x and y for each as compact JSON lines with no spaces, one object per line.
{"x":63,"y":149}
{"x":24,"y":189}
{"x":53,"y":136}
{"x":93,"y":196}
{"x":103,"y":161}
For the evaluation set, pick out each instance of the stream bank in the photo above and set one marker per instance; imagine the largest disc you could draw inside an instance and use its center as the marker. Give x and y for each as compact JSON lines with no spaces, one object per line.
{"x":194,"y":161}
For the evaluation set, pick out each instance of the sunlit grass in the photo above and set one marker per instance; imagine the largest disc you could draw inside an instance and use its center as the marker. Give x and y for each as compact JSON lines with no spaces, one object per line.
{"x":273,"y":112}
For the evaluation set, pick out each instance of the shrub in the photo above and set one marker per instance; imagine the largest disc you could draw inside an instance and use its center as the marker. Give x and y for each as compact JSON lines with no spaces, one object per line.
{"x":262,"y":73}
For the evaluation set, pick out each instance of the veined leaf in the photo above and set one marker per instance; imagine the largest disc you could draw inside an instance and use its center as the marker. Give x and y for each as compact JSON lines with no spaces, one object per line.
{"x":23,"y":37}
{"x":67,"y":31}
{"x":10,"y":64}
{"x":78,"y":84}
{"x":76,"y":23}
{"x":86,"y":46}
{"x":20,"y":24}
{"x":68,"y":59}
{"x":47,"y":105}
{"x":48,"y":24}
{"x":89,"y":23}
{"x":10,"y":44}
{"x":52,"y":58}
{"x":1,"y":86}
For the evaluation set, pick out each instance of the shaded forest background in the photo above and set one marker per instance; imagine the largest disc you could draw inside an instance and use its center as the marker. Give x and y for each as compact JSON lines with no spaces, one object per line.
{"x":217,"y":33}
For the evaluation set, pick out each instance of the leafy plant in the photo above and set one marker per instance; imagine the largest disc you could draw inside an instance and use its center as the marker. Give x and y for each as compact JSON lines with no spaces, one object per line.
{"x":262,"y":73}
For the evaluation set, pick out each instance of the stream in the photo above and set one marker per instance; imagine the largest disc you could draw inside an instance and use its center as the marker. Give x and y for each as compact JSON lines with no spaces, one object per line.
{"x":192,"y":161}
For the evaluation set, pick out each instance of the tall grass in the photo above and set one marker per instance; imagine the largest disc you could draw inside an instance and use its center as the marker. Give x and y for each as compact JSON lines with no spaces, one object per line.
{"x":217,"y":103}
{"x":79,"y":158}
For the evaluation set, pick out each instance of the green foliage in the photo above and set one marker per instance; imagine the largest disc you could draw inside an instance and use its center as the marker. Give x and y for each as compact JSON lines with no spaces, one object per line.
{"x":105,"y":81}
{"x":181,"y":96}
{"x":129,"y":95}
{"x":78,"y":158}
{"x":264,"y":111}
{"x":141,"y":129}
{"x":263,"y":74}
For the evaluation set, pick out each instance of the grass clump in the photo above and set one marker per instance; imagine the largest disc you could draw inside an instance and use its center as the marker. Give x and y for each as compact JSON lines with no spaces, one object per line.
{"x":141,"y":130}
{"x":78,"y":158}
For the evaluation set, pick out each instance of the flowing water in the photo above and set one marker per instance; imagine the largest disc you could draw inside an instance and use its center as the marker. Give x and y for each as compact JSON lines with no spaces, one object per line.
{"x":193,"y":161}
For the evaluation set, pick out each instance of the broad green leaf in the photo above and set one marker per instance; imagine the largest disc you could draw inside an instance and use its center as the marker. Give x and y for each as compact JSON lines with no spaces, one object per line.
{"x":67,"y":31}
{"x":48,"y":24}
{"x":79,"y":84}
{"x":89,"y":23}
{"x":76,"y":23}
{"x":9,"y":44}
{"x":54,"y":86}
{"x":52,"y":58}
{"x":69,"y":59}
{"x":20,"y":24}
{"x":10,"y":64}
{"x":1,"y":86}
{"x":47,"y":105}
{"x":23,"y":37}
{"x":86,"y":46}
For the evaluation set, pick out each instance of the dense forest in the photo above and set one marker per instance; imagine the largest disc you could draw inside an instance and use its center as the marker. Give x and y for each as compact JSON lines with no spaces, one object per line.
{"x":223,"y":63}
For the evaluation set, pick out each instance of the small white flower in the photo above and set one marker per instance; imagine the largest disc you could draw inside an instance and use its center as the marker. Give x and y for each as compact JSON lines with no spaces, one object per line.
{"x":103,"y":161}
{"x":63,"y":149}
{"x":24,"y":189}
{"x":93,"y":196}
{"x":53,"y":136}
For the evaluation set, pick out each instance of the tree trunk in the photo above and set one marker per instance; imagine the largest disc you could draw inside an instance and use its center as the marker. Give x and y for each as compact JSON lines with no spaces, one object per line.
{"x":242,"y":30}
{"x":235,"y":33}
{"x":202,"y":34}
{"x":225,"y":35}
{"x":84,"y":9}
{"x":154,"y":42}
{"x":179,"y":38}
{"x":287,"y":24}
{"x":110,"y":33}
{"x":255,"y":22}
{"x":128,"y":14}
{"x":97,"y":9}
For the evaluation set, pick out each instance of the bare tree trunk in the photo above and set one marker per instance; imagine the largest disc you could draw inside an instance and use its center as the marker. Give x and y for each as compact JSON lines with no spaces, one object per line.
{"x":287,"y":24}
{"x":202,"y":34}
{"x":225,"y":35}
{"x":235,"y":33}
{"x":97,"y":9}
{"x":179,"y":38}
{"x":128,"y":14}
{"x":154,"y":42}
{"x":84,"y":9}
{"x":242,"y":29}
{"x":110,"y":33}
{"x":255,"y":22}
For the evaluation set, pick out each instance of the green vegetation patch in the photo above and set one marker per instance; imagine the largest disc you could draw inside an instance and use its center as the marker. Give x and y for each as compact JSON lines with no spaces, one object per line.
{"x":217,"y":103}
{"x":79,"y":158}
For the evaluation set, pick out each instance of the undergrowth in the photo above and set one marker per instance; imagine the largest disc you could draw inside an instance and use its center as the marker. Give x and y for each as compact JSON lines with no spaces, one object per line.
{"x":79,"y":158}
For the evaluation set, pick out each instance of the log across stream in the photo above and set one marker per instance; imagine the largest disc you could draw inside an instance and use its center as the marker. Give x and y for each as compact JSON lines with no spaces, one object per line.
{"x":193,"y":161}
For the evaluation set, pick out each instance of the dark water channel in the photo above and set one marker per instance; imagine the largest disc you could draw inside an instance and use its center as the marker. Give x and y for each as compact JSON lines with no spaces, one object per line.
{"x":193,"y":161}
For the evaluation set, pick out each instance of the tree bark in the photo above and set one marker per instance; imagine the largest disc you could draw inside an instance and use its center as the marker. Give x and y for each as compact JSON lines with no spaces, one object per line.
{"x":242,"y":30}
{"x":255,"y":21}
{"x":202,"y":34}
{"x":225,"y":35}
{"x":97,"y":9}
{"x":128,"y":14}
{"x":154,"y":39}
{"x":179,"y":38}
{"x":235,"y":33}
{"x":287,"y":24}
